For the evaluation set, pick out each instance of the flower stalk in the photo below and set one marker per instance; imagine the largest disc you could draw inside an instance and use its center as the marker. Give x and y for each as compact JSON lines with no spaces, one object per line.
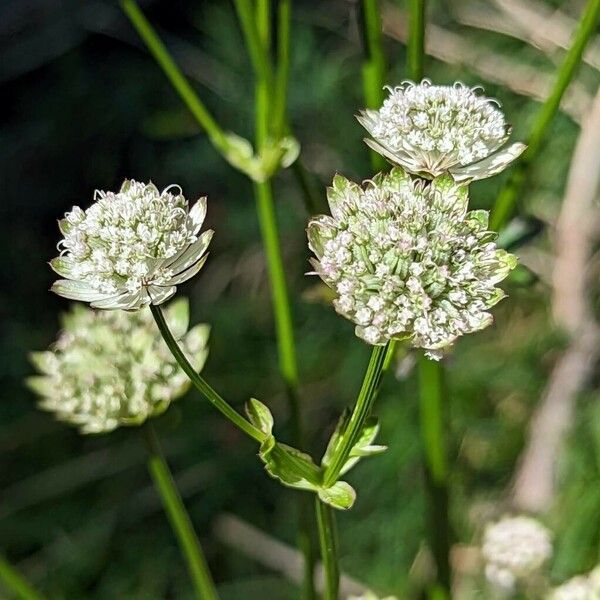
{"x":200,"y":383}
{"x":16,"y":583}
{"x":431,"y":389}
{"x":362,"y":409}
{"x":510,"y":193}
{"x":433,"y":417}
{"x":373,"y":68}
{"x":328,"y":543}
{"x":178,"y":517}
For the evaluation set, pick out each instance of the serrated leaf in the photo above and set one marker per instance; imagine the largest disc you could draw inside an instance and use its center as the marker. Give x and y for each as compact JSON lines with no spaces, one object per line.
{"x":340,"y":495}
{"x":260,"y":416}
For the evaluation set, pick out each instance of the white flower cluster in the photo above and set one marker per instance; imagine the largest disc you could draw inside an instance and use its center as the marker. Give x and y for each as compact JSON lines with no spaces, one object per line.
{"x":514,"y":548}
{"x":109,"y":369}
{"x":130,"y":248}
{"x":406,"y":260}
{"x":432,"y":129}
{"x":582,"y":587}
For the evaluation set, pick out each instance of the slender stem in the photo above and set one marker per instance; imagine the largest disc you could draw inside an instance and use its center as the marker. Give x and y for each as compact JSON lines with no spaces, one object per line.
{"x":16,"y":583}
{"x":178,"y":517}
{"x":373,"y":68}
{"x":416,"y":39}
{"x":329,"y":554}
{"x":433,"y":436}
{"x":174,"y":74}
{"x":270,"y":115}
{"x":362,"y":409}
{"x":510,"y":193}
{"x":281,"y":303}
{"x":205,"y":389}
{"x":284,"y":14}
{"x":252,"y":35}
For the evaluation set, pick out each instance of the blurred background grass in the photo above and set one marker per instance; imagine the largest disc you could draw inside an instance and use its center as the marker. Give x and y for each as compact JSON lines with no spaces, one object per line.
{"x":84,"y":108}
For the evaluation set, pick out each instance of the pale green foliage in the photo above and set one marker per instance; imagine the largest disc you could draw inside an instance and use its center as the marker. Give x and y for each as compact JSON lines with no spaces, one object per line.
{"x":406,"y":260}
{"x":112,"y":368}
{"x":433,"y":129}
{"x":292,"y":467}
{"x":130,"y":248}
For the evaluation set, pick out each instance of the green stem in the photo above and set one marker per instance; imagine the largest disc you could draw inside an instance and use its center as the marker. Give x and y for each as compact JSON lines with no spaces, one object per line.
{"x":373,"y":68}
{"x":284,"y":15}
{"x":511,"y":191}
{"x":361,"y":411}
{"x":174,"y":74}
{"x":16,"y":583}
{"x":257,"y":51}
{"x":205,"y":389}
{"x":281,"y":303}
{"x":328,"y":543}
{"x":178,"y":517}
{"x":433,"y":435}
{"x":416,"y":39}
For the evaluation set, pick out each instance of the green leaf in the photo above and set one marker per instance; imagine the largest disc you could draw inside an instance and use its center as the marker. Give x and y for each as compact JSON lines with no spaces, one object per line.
{"x":363,"y":447}
{"x":340,"y":495}
{"x":290,"y":466}
{"x":336,"y":437}
{"x":260,"y":416}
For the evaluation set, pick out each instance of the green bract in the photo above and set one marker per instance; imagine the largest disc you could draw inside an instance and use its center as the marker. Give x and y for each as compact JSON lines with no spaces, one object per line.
{"x":406,"y":260}
{"x":109,"y":369}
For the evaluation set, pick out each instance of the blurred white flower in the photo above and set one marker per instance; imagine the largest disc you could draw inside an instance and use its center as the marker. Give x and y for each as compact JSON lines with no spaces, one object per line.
{"x":109,"y":369}
{"x":578,"y":588}
{"x":432,"y":129}
{"x":406,"y":260}
{"x":130,"y":248}
{"x":514,"y":548}
{"x":581,"y":587}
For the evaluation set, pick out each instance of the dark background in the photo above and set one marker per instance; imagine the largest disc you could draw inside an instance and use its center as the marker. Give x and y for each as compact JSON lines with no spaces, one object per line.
{"x":84,"y":106}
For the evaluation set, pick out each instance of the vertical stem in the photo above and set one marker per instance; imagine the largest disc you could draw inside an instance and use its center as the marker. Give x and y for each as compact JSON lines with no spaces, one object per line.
{"x":433,"y":434}
{"x":270,"y":120}
{"x":178,"y":517}
{"x":373,"y":68}
{"x":281,"y":303}
{"x":328,"y":543}
{"x":509,"y":194}
{"x":362,"y":409}
{"x":16,"y":583}
{"x":431,"y":385}
{"x":416,"y":39}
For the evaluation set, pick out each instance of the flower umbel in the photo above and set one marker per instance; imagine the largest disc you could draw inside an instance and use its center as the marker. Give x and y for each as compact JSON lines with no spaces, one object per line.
{"x":406,"y":260}
{"x":514,"y":548}
{"x":432,"y":129}
{"x":130,"y":248}
{"x":109,"y":369}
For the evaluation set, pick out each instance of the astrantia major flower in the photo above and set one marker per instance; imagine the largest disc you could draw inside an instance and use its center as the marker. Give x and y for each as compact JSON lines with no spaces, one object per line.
{"x":112,"y":368}
{"x":406,"y":260}
{"x":514,"y":548}
{"x":130,"y":248}
{"x":432,"y":129}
